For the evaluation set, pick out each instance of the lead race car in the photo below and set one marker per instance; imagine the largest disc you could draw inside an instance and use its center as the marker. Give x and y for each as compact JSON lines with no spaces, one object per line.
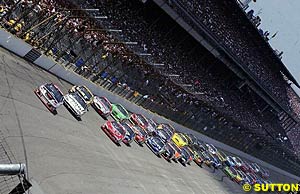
{"x":50,"y":95}
{"x":76,"y":104}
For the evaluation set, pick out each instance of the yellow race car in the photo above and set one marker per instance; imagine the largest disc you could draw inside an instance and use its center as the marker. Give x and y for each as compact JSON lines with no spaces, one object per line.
{"x":222,"y":156}
{"x":179,"y":139}
{"x":84,"y":92}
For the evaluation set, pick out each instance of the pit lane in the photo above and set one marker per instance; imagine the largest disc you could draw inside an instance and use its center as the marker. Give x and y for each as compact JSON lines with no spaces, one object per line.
{"x":69,"y":156}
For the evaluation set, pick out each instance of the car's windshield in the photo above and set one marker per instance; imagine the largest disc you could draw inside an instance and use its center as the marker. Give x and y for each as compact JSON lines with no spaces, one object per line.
{"x":222,"y":154}
{"x":238,"y":160}
{"x":165,"y":134}
{"x":158,"y":141}
{"x":175,"y":147}
{"x":141,"y":119}
{"x":152,"y":123}
{"x":193,"y":138}
{"x":184,"y":152}
{"x":141,"y":130}
{"x":249,"y":177}
{"x":183,"y":137}
{"x":104,"y":101}
{"x":55,"y":92}
{"x":242,"y":174}
{"x":87,"y":94}
{"x":231,"y":160}
{"x":213,"y":147}
{"x":233,"y":171}
{"x":168,"y":128}
{"x":122,"y":110}
{"x":79,"y":100}
{"x":263,"y":170}
{"x":118,"y":128}
{"x":127,"y":128}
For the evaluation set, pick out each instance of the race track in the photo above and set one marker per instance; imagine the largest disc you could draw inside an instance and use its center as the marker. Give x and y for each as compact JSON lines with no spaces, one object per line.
{"x":67,"y":156}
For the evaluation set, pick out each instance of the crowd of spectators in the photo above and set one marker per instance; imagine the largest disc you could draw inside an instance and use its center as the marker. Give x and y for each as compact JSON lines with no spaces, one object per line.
{"x":191,"y":79}
{"x":227,"y":25}
{"x":184,"y":67}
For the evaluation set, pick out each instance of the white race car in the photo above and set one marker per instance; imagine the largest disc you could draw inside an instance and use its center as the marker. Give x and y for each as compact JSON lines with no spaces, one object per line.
{"x":75,"y":103}
{"x":102,"y":106}
{"x":50,"y":95}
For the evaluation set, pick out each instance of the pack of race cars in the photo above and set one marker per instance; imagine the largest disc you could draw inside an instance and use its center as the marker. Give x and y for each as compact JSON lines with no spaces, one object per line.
{"x":161,"y":138}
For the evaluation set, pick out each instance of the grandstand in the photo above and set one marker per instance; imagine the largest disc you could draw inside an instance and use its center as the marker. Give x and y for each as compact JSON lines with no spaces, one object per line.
{"x":234,"y":93}
{"x":218,"y":75}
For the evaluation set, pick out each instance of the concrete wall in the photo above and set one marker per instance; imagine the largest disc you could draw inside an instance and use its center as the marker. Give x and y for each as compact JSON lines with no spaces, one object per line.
{"x":19,"y":47}
{"x":14,"y":44}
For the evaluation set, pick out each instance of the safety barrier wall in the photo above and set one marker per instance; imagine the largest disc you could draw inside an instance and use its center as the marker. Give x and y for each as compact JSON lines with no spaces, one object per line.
{"x":14,"y":44}
{"x":19,"y":47}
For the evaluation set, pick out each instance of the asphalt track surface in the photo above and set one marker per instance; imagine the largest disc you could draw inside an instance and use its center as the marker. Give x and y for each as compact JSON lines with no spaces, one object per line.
{"x":69,"y":156}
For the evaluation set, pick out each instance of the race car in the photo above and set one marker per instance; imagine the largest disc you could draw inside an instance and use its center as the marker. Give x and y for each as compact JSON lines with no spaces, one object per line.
{"x":186,"y":156}
{"x":215,"y":162}
{"x":151,"y":129}
{"x":179,"y":139}
{"x":140,"y":135}
{"x":130,"y":134}
{"x":196,"y":154}
{"x":138,"y":119}
{"x":255,"y":167}
{"x":169,"y":153}
{"x":263,"y":173}
{"x":119,"y":113}
{"x":102,"y":106}
{"x":156,"y":145}
{"x":76,"y":104}
{"x":200,"y":146}
{"x":192,"y":139}
{"x":167,"y":127}
{"x":211,"y":148}
{"x":251,"y":178}
{"x":84,"y":92}
{"x":207,"y":158}
{"x":115,"y":131}
{"x":247,"y":168}
{"x":239,"y":162}
{"x":176,"y":149}
{"x":245,"y":178}
{"x":231,"y":173}
{"x":165,"y":136}
{"x":230,"y":162}
{"x":222,"y":156}
{"x":50,"y":95}
{"x":255,"y":178}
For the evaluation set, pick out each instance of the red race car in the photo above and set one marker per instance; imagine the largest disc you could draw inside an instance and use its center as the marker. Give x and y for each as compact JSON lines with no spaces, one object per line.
{"x":140,"y":135}
{"x":102,"y":106}
{"x":140,"y":120}
{"x":115,"y":131}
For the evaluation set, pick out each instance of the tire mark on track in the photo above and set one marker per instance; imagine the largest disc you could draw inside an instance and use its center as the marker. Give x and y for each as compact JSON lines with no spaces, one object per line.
{"x":18,"y":121}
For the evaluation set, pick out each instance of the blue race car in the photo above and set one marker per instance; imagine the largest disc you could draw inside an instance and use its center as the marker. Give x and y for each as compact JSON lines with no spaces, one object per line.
{"x":156,"y":145}
{"x":130,"y":134}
